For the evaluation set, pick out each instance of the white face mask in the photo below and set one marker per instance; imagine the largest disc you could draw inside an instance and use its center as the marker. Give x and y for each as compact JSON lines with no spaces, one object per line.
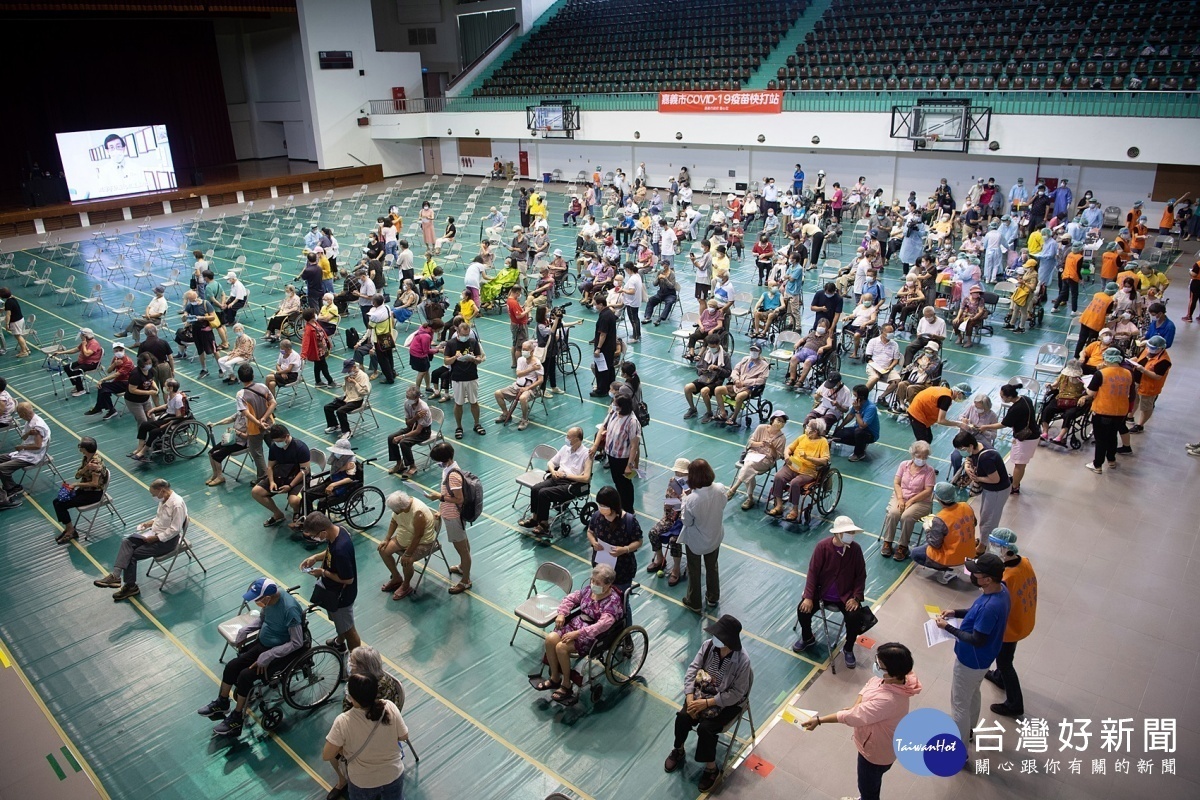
{"x":1106,"y":339}
{"x":847,"y":538}
{"x":821,"y":331}
{"x":920,"y":462}
{"x":717,"y":643}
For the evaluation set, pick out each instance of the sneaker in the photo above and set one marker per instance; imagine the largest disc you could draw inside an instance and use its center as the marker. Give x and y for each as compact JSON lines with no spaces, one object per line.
{"x":800,"y":645}
{"x":674,"y":759}
{"x":9,"y":505}
{"x":886,"y":550}
{"x":1094,"y":468}
{"x":1005,"y":710}
{"x":336,"y":644}
{"x":121,"y":335}
{"x":558,"y":390}
{"x":230,"y":726}
{"x":1136,"y":428}
{"x":216,"y":709}
{"x":851,"y":661}
{"x":333,"y":429}
{"x":945,"y":576}
{"x":125,"y":592}
{"x":91,"y":412}
{"x":901,"y":553}
{"x":708,"y":417}
{"x":203,"y":374}
{"x":78,"y":393}
{"x":110,"y":414}
{"x":1125,"y":451}
{"x":109,"y":581}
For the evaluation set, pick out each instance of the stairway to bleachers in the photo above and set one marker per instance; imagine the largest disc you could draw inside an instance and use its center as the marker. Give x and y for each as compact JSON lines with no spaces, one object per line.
{"x":1057,"y":44}
{"x":638,"y":46}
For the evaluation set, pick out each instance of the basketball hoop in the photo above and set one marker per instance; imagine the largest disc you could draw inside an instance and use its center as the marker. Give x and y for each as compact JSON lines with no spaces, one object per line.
{"x":932,"y":138}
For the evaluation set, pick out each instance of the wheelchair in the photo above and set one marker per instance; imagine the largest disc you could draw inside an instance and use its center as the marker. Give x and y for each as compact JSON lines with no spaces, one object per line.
{"x":564,"y":283}
{"x":756,"y":405}
{"x":185,"y":438}
{"x":830,"y":362}
{"x":823,"y":494}
{"x":359,"y":506}
{"x":309,"y":678}
{"x":1075,"y":433}
{"x":617,"y":655}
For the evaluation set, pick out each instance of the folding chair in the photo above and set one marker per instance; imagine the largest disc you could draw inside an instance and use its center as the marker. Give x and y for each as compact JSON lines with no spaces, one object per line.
{"x":96,"y":300}
{"x":684,"y":332}
{"x":438,"y":418}
{"x":540,"y":609}
{"x":1050,"y":360}
{"x":182,"y":547}
{"x":531,"y":477}
{"x":43,"y":281}
{"x":742,"y":301}
{"x":728,"y":737}
{"x":36,"y":471}
{"x":105,"y":502}
{"x":823,"y":613}
{"x":424,"y":554}
{"x":66,"y":291}
{"x":300,"y":381}
{"x":123,"y":310}
{"x":360,"y":415}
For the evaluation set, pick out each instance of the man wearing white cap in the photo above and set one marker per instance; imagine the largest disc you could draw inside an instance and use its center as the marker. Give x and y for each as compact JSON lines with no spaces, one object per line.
{"x":156,"y":309}
{"x":235,"y":300}
{"x":280,"y":632}
{"x":837,"y":580}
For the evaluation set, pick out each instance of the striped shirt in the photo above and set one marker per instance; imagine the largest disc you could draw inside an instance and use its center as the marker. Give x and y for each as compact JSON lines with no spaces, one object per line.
{"x":619,"y":434}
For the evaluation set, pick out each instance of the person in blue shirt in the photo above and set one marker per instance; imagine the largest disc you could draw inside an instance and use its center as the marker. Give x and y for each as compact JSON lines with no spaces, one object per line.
{"x":1018,"y":195}
{"x":280,"y":632}
{"x":312,"y":239}
{"x":861,"y":425}
{"x":1160,"y":325}
{"x":798,"y":181}
{"x":1062,"y":199}
{"x":979,"y":637}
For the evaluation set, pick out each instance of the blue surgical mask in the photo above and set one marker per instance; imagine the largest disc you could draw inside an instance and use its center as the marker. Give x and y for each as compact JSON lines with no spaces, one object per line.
{"x":717,"y":642}
{"x":877,"y":671}
{"x":462,"y":338}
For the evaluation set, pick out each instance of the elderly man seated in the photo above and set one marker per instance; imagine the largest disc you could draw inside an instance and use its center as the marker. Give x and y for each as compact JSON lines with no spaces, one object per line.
{"x":930,"y":328}
{"x":527,"y":386}
{"x":280,"y":633}
{"x":748,"y":379}
{"x":837,"y":579}
{"x":809,"y":351}
{"x":156,"y":309}
{"x":831,"y":400}
{"x":154,"y":537}
{"x":568,"y":475}
{"x":583,"y":616}
{"x":410,"y":535}
{"x":712,"y":368}
{"x":31,"y":451}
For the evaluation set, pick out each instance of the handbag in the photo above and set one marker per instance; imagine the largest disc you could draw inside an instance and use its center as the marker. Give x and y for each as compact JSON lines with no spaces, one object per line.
{"x":326,"y":598}
{"x":65,"y":493}
{"x":385,"y":342}
{"x":867,"y":618}
{"x":229,"y":437}
{"x":642,"y":413}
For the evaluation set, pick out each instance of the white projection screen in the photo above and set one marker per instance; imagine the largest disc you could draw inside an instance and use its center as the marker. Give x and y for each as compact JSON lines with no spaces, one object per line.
{"x":116,"y":161}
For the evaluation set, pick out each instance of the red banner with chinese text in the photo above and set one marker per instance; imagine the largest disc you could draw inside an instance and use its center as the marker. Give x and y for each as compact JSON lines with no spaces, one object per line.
{"x":742,"y":102}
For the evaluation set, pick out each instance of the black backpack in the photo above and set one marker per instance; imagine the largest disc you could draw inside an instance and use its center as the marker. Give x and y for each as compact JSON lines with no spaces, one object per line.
{"x":352,"y":337}
{"x":472,"y":489}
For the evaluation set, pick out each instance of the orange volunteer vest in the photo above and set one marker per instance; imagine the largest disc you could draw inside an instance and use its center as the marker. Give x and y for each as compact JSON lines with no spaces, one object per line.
{"x":923,"y":407}
{"x":1112,"y":400}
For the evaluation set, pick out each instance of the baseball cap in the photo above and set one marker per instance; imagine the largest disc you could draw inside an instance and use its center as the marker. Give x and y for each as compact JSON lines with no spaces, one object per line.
{"x":348,"y":366}
{"x":160,"y":289}
{"x":230,"y":275}
{"x":262,"y":587}
{"x":988,"y":564}
{"x":118,"y":346}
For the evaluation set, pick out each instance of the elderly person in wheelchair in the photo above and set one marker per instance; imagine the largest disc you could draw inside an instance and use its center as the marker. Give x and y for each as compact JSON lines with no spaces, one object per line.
{"x":289,"y":308}
{"x":767,"y":445}
{"x":807,"y":456}
{"x":159,"y":419}
{"x":923,"y":371}
{"x":280,"y":632}
{"x":748,"y":379}
{"x":340,"y":479}
{"x":568,"y":475}
{"x":1067,"y":399}
{"x":716,"y":686}
{"x":583,"y":616}
{"x":411,"y":535}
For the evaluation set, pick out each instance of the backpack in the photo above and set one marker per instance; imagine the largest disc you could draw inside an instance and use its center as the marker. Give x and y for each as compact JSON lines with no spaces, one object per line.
{"x":472,"y":489}
{"x":352,"y":337}
{"x":642,"y":413}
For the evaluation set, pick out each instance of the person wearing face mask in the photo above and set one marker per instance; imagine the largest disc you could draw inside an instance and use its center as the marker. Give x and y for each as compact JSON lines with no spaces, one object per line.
{"x":418,"y":427}
{"x":715,"y":687}
{"x":814,"y":347}
{"x":141,"y":388}
{"x":929,"y":407}
{"x":984,"y":467}
{"x":1092,"y":356}
{"x":827,"y":306}
{"x":865,"y":317}
{"x":911,"y":500}
{"x":837,"y":579}
{"x":1150,"y":369}
{"x":701,"y":510}
{"x":1110,"y":389}
{"x":583,"y":615}
{"x":569,"y":475}
{"x":1095,"y":315}
{"x":664,"y":535}
{"x":765,"y":310}
{"x":949,"y":536}
{"x":767,"y":445}
{"x":860,"y":426}
{"x":1021,"y":582}
{"x":764,"y":252}
{"x":806,"y":456}
{"x":748,"y":379}
{"x":527,"y":386}
{"x":876,"y":712}
{"x":979,"y":637}
{"x":831,"y":400}
{"x":1160,"y":325}
{"x":614,"y":535}
{"x":712,"y":368}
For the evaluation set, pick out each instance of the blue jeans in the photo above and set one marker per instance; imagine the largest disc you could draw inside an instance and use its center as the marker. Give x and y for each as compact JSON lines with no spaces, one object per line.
{"x":921,"y":559}
{"x":391,"y":791}
{"x":870,"y":778}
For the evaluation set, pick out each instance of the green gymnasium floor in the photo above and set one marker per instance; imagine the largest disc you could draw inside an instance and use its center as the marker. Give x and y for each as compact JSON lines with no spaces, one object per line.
{"x":124,"y":679}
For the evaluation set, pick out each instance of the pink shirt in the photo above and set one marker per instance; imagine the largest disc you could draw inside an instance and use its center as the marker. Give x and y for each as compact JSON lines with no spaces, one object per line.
{"x":912,"y":485}
{"x":874,"y":718}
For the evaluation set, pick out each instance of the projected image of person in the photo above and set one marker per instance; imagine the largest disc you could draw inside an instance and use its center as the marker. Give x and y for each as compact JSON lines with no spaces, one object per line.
{"x":117,"y":174}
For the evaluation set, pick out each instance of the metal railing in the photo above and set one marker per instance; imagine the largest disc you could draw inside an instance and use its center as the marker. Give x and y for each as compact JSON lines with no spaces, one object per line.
{"x":502,"y":39}
{"x":1104,"y":103}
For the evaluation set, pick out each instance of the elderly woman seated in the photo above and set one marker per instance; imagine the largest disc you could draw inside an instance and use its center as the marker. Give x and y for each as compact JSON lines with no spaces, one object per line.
{"x":406,"y":302}
{"x":411,"y":535}
{"x":925,"y":370}
{"x":288,"y":307}
{"x":583,"y":616}
{"x":1066,"y":398}
{"x":766,"y":446}
{"x":806,"y":456}
{"x":911,"y":500}
{"x":328,"y":315}
{"x":978,"y":414}
{"x":243,"y":350}
{"x":365,"y":660}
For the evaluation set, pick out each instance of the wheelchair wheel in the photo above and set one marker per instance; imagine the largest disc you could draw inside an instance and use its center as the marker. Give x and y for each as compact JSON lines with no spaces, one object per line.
{"x":270,"y":718}
{"x":288,"y":329}
{"x":727,"y":341}
{"x":313,"y":678}
{"x":625,"y":655}
{"x":364,"y":508}
{"x":585,"y":513}
{"x":829,"y":493}
{"x":189,"y":439}
{"x":570,"y":357}
{"x":568,"y":284}
{"x":764,"y":411}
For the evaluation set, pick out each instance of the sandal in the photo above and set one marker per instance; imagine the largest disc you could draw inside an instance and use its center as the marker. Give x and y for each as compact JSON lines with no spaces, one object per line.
{"x":272,"y":522}
{"x":459,"y":587}
{"x":214,"y":481}
{"x":655,"y":565}
{"x":522,"y":425}
{"x":562,"y":695}
{"x":791,"y":516}
{"x":547,"y":684}
{"x":392,"y":585}
{"x":482,"y":431}
{"x":456,"y":570}
{"x":458,"y":433}
{"x":403,"y":592}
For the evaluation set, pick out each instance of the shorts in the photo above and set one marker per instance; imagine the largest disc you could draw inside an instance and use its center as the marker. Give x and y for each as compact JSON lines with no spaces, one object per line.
{"x":513,"y":392}
{"x":203,"y":340}
{"x":465,"y":392}
{"x":418,"y":364}
{"x":286,"y":378}
{"x":342,"y":619}
{"x":17,"y":328}
{"x":520,"y":333}
{"x":1146,"y":403}
{"x":1022,"y":452}
{"x":455,"y":532}
{"x":889,"y":377}
{"x":806,"y":355}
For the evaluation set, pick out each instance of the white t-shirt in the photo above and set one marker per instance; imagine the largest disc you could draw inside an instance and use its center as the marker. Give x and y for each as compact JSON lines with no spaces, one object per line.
{"x":529,"y":378}
{"x":592,"y":228}
{"x":826,"y":398}
{"x":935,"y":328}
{"x":472,"y":278}
{"x":863,"y":315}
{"x":376,"y":761}
{"x":685,"y":194}
{"x":667,"y":240}
{"x":860,"y":274}
{"x":881,"y":354}
{"x":156,"y":307}
{"x":238,"y":291}
{"x":367,"y":287}
{"x":34,"y":456}
{"x":292,"y":360}
{"x":638,"y":296}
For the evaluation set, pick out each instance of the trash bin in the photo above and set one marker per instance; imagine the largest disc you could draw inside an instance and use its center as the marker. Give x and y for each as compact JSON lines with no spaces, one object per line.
{"x":545,"y":177}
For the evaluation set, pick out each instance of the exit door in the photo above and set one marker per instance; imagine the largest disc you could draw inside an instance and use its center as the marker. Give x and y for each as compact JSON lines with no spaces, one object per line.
{"x":524,"y":159}
{"x":433,"y":156}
